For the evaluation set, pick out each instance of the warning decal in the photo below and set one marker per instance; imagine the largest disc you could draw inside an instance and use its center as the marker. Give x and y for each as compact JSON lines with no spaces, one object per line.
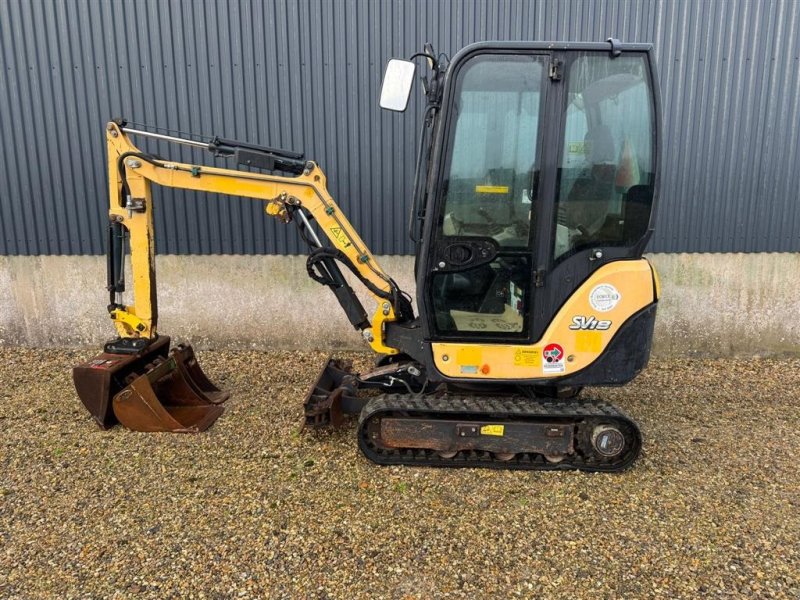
{"x":491,"y":189}
{"x":340,"y":236}
{"x":527,"y":358}
{"x":498,"y":430}
{"x":553,"y":355}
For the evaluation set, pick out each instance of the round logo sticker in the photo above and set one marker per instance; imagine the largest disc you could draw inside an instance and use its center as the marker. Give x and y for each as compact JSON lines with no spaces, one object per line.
{"x":604,"y":297}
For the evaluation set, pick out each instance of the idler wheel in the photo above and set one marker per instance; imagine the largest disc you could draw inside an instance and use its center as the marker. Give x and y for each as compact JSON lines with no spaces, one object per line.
{"x":607,"y":441}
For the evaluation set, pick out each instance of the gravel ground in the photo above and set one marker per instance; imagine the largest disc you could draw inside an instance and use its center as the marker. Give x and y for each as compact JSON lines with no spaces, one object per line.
{"x":256,"y":507}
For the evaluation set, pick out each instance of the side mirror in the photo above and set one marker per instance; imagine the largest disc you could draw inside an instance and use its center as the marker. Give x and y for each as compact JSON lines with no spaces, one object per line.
{"x":397,"y":82}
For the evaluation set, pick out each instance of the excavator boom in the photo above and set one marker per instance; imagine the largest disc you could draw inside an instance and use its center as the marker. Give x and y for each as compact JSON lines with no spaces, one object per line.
{"x":137,"y":380}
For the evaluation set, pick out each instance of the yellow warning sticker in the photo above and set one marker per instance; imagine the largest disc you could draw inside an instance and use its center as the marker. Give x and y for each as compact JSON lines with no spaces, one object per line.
{"x":491,"y":189}
{"x":576,"y":147}
{"x":493,"y":430}
{"x":527,"y":358}
{"x":340,"y":236}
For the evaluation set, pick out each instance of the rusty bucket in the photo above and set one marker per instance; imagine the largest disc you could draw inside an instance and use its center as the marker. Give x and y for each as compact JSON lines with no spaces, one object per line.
{"x":194,"y":375}
{"x":151,"y":390}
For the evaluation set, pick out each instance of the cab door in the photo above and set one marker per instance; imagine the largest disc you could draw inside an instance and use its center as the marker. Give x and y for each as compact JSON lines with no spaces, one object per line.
{"x":600,"y":199}
{"x":482,"y":253}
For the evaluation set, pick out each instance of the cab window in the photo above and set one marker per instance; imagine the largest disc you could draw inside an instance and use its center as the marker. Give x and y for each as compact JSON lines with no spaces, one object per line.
{"x":489,"y":194}
{"x":491,"y":173}
{"x":606,"y":176}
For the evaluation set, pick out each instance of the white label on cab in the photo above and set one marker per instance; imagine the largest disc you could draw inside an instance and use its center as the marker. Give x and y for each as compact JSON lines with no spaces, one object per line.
{"x":604,"y":297}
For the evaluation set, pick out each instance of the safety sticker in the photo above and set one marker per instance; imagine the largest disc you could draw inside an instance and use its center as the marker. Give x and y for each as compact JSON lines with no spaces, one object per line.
{"x":553,"y":355}
{"x":604,"y":297}
{"x":491,"y":189}
{"x":340,"y":236}
{"x":527,"y":358}
{"x":498,"y":430}
{"x":576,"y":147}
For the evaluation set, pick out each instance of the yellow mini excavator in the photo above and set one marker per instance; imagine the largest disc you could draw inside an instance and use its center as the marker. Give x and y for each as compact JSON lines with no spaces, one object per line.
{"x":537,"y":176}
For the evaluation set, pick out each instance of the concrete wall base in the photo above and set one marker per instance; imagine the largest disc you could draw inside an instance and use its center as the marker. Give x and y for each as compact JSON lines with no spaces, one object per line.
{"x":712,"y":304}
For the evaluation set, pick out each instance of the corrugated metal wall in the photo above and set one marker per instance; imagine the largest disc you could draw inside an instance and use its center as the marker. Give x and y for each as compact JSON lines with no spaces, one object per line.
{"x":305,"y":75}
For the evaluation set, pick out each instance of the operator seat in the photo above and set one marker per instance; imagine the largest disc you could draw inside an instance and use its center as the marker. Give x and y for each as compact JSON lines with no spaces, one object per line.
{"x":587,"y":202}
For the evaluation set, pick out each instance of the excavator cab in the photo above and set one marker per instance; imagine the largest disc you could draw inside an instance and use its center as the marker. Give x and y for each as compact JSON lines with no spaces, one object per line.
{"x":545,"y":173}
{"x":536,"y":182}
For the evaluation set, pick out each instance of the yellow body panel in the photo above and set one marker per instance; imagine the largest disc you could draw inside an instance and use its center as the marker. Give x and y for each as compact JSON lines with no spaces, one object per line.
{"x":632,"y":280}
{"x":656,"y":282}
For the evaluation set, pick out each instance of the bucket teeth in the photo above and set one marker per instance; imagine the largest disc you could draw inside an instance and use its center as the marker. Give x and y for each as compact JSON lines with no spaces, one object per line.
{"x":152,"y":390}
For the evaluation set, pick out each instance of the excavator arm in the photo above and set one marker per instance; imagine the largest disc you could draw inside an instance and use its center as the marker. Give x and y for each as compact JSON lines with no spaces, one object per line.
{"x":300,"y":198}
{"x":138,"y":380}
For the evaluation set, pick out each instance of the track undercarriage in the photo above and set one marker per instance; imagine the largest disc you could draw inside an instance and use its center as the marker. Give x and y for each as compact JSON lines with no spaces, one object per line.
{"x":445,"y":427}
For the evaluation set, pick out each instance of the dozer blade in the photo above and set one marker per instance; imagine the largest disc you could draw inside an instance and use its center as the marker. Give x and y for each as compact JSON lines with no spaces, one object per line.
{"x":165,"y":399}
{"x":98,"y":380}
{"x":331,"y":395}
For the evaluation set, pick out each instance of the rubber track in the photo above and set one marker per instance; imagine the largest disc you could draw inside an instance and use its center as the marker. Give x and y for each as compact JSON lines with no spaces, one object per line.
{"x":585,"y":414}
